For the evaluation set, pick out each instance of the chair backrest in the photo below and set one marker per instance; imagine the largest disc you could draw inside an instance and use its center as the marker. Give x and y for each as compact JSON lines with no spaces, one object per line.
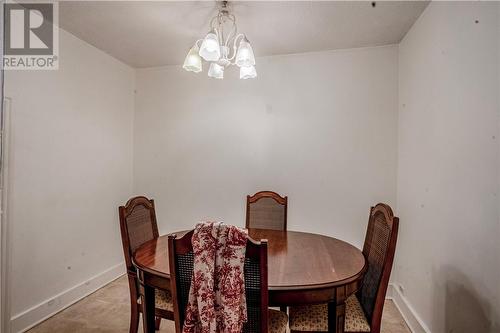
{"x":137,"y":225}
{"x":266,"y":210}
{"x":181,"y":271}
{"x":378,"y":249}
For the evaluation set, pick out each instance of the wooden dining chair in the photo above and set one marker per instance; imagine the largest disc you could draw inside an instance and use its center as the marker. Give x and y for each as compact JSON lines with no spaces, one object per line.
{"x":260,"y":318}
{"x":363,"y":310}
{"x":266,"y":210}
{"x":138,"y":225}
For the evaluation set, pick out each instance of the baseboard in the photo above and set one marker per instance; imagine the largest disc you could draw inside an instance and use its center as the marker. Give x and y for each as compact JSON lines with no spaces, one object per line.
{"x":33,"y":316}
{"x":411,"y":318}
{"x":27,"y":319}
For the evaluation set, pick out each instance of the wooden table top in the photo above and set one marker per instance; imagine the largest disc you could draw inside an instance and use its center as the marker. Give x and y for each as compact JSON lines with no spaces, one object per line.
{"x":296,"y":260}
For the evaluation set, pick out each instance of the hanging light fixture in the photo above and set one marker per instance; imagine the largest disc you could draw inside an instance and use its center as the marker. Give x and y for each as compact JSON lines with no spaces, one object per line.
{"x":219,"y":47}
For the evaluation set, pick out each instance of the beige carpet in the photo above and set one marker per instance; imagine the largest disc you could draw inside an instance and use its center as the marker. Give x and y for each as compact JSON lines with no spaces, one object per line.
{"x":108,"y":310}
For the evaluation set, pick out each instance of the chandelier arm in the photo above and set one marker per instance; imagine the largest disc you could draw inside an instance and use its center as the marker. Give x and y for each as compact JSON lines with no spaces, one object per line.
{"x":220,"y":25}
{"x":212,"y":21}
{"x":233,"y":31}
{"x":197,"y":43}
{"x":235,"y":49}
{"x":215,"y":27}
{"x":217,"y":33}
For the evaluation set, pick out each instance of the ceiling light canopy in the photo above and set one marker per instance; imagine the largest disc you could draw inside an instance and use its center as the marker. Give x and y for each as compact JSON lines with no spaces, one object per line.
{"x":222,"y":47}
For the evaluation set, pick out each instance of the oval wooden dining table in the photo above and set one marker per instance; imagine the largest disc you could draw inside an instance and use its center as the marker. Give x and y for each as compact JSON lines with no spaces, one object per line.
{"x":303,"y":268}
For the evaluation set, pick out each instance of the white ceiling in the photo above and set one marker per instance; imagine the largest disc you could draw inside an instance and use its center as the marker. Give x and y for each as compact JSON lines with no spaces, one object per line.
{"x":156,"y":33}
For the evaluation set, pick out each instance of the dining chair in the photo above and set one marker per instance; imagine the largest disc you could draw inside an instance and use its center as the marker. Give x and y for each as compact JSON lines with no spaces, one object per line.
{"x":138,"y":225}
{"x":260,"y":317}
{"x":266,"y":210}
{"x":363,"y":310}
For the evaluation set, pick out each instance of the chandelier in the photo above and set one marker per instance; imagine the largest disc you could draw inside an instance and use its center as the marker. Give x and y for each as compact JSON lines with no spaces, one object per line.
{"x":222,"y":47}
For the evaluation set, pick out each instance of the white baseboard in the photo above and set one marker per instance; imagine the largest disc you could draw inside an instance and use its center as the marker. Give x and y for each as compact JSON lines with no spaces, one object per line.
{"x":27,"y":319}
{"x":411,"y":318}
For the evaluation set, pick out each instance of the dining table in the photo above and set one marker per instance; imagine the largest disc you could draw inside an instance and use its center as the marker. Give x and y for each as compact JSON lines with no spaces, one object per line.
{"x":303,"y":269}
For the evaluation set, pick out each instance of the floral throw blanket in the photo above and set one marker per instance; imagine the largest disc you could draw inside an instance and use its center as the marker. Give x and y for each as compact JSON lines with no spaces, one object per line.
{"x":217,"y":302}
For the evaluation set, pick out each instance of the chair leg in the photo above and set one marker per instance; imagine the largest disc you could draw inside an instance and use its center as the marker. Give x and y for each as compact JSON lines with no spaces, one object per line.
{"x":134,"y":307}
{"x":157,"y":323}
{"x":134,"y":319}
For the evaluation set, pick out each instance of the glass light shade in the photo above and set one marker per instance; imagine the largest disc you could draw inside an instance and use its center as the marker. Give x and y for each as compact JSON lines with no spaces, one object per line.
{"x":244,"y":56}
{"x":192,"y":63}
{"x":216,"y":71}
{"x":248,"y":72}
{"x":210,"y":48}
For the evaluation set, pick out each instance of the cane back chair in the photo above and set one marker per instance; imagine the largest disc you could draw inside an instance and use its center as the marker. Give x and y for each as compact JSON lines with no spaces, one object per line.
{"x":260,"y":318}
{"x":363,"y":310}
{"x":138,"y":225}
{"x":266,"y":210}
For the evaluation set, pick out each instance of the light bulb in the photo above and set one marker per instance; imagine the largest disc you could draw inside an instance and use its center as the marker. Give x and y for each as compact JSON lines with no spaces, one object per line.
{"x":192,"y":63}
{"x":245,"y":56}
{"x":216,"y":71}
{"x":248,"y":72}
{"x":210,"y":48}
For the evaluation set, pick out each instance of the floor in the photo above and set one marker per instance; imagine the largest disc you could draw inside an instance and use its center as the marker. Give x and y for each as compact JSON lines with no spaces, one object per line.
{"x":107,"y":310}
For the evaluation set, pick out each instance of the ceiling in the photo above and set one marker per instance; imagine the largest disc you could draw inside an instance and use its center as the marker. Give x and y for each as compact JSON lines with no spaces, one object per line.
{"x":157,"y":33}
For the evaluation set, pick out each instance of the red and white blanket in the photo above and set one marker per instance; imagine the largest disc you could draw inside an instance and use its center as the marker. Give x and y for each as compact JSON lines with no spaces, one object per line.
{"x":217,"y":302}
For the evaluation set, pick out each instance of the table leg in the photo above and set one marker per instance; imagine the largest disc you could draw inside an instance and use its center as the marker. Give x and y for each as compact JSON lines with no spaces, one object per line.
{"x":148,"y":309}
{"x":336,"y":316}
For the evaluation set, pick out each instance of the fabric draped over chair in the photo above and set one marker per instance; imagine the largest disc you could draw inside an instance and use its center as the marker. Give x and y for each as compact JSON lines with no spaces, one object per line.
{"x":217,"y":301}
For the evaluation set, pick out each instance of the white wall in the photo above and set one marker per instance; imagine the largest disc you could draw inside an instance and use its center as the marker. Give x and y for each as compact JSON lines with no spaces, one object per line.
{"x":318,"y":127}
{"x":71,"y":167}
{"x":448,"y":177}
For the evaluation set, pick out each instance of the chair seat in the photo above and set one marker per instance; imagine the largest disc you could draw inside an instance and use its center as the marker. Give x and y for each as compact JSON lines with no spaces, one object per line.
{"x":314,"y":318}
{"x":277,"y":321}
{"x":163,"y":300}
